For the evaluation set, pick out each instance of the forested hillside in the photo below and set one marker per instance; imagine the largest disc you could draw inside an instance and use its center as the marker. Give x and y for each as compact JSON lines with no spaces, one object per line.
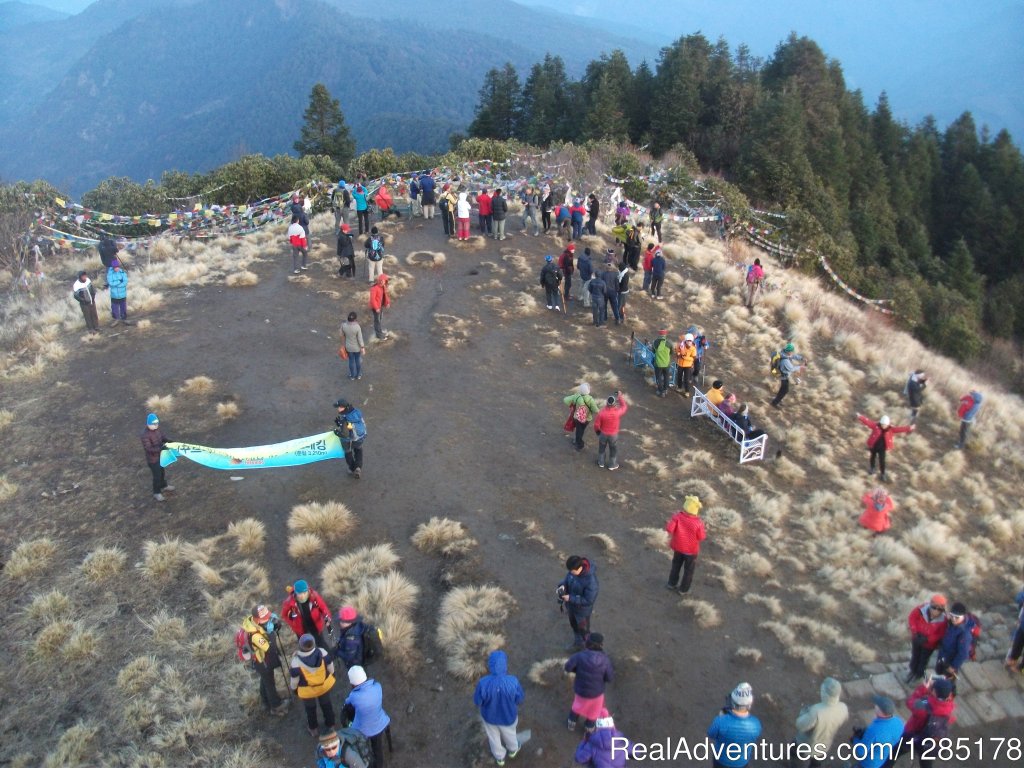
{"x":931,"y":218}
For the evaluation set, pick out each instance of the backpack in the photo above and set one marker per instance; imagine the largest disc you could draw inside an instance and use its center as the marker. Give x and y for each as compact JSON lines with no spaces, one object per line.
{"x":551,"y":278}
{"x":750,"y":275}
{"x":356,"y":424}
{"x":242,"y":648}
{"x":355,"y":751}
{"x":373,"y":647}
{"x":974,"y":626}
{"x":376,"y":250}
{"x":581,"y":413}
{"x":937,"y":727}
{"x":774,"y":365}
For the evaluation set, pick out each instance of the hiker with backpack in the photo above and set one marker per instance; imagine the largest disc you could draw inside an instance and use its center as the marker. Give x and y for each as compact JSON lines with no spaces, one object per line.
{"x":551,"y":281}
{"x":582,"y":408}
{"x":379,"y":301}
{"x":631,"y":248}
{"x":648,"y":267}
{"x":311,"y":677}
{"x":499,"y":212}
{"x":386,"y":203}
{"x":427,"y":194}
{"x":754,"y":280}
{"x":117,"y":282}
{"x":447,"y":203}
{"x":662,"y":360}
{"x":341,"y":199}
{"x":350,"y":428}
{"x":605,"y":746}
{"x":362,"y":208}
{"x":415,"y":207}
{"x":970,"y":407}
{"x":932,"y":708}
{"x":784,"y":363}
{"x":927,"y":623}
{"x":701,"y":343}
{"x":364,"y":709}
{"x":586,"y":269}
{"x":497,"y":697}
{"x":577,"y":593}
{"x":606,"y":427}
{"x":880,"y":441}
{"x":359,"y":642}
{"x":914,"y":390}
{"x":576,"y":214}
{"x":306,"y":612}
{"x":879,"y":742}
{"x":256,"y":642}
{"x":300,"y":245}
{"x":353,"y":345}
{"x":611,"y":289}
{"x":957,"y":644}
{"x":735,"y":730}
{"x":346,"y":252}
{"x":657,"y":217}
{"x":593,"y":671}
{"x":344,"y":748}
{"x":624,"y":273}
{"x":818,"y":723}
{"x":373,"y":247}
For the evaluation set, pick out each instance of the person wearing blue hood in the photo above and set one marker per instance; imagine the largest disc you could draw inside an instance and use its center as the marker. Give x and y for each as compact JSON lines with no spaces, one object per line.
{"x":498,"y":696}
{"x":970,"y":407}
{"x":578,"y":593}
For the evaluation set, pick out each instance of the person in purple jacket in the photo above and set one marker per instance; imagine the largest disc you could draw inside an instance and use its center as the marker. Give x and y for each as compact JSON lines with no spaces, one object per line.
{"x":605,"y":746}
{"x":593,"y":670}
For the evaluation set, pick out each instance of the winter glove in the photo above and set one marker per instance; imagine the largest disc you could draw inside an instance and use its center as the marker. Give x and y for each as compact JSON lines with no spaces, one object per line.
{"x":920,"y":638}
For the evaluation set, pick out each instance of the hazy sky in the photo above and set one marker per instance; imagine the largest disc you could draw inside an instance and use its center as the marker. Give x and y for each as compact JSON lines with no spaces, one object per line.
{"x":931,"y":56}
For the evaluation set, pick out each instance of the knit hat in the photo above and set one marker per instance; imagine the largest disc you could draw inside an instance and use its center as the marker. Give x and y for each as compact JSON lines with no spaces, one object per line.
{"x":307,"y":643}
{"x":957,"y":610}
{"x":346,"y":228}
{"x":717,"y":384}
{"x":584,"y":388}
{"x":688,"y":337}
{"x":341,"y":403}
{"x":884,"y":421}
{"x":604,"y":719}
{"x":330,"y":740}
{"x":115,"y":263}
{"x":939,"y":599}
{"x":587,"y":250}
{"x":261,"y":613}
{"x":356,"y":675}
{"x":152,"y":420}
{"x":692,"y":505}
{"x":663,"y":332}
{"x":549,"y":257}
{"x":571,"y":247}
{"x":789,"y":348}
{"x":884,"y":704}
{"x":742,"y":695}
{"x":300,"y":586}
{"x":610,"y":400}
{"x":374,"y":231}
{"x":942,"y":687}
{"x":348,"y":613}
{"x":595,"y":641}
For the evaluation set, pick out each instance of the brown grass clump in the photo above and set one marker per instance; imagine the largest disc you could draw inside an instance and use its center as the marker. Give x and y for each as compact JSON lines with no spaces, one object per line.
{"x":51,"y":639}
{"x":164,"y":560}
{"x":7,"y":489}
{"x":228,"y":410}
{"x":330,"y":520}
{"x":706,"y":614}
{"x":159,"y":403}
{"x":656,"y":539}
{"x":533,"y":532}
{"x":611,"y":549}
{"x":138,"y":675}
{"x":6,"y":418}
{"x":197,"y":386}
{"x":387,"y":595}
{"x":541,"y":672}
{"x":75,"y":748}
{"x":346,"y":574}
{"x":773,"y":604}
{"x":211,"y":577}
{"x":49,"y":606}
{"x":425,"y":259}
{"x":441,"y":535}
{"x":241,"y":279}
{"x":468,"y":624}
{"x":168,"y":632}
{"x":749,"y":655}
{"x":249,"y":534}
{"x":31,"y":558}
{"x":755,"y":564}
{"x":103,"y":564}
{"x":305,"y":546}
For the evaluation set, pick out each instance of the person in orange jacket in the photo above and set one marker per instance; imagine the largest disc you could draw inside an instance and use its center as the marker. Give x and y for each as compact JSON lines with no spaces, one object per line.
{"x":877,"y":506}
{"x":306,"y":612}
{"x":880,"y":441}
{"x":686,"y":356}
{"x":379,"y":301}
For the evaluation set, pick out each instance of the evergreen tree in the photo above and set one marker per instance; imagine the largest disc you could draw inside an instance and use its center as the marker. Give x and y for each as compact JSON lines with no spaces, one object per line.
{"x":638,"y":104}
{"x":324,"y":131}
{"x":677,"y":92}
{"x":546,"y":100}
{"x":604,"y":91}
{"x":498,"y":112}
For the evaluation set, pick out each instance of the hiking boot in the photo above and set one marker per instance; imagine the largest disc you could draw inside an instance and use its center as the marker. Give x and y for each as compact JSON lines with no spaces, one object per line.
{"x":357,"y":472}
{"x":613,"y":467}
{"x":871,"y":471}
{"x":600,"y":463}
{"x":296,"y":271}
{"x":670,"y":585}
{"x":511,"y":755}
{"x":303,"y":267}
{"x":499,"y":762}
{"x":159,"y":497}
{"x":169,"y":488}
{"x":115,"y":323}
{"x":571,"y":724}
{"x":883,"y":478}
{"x":280,"y":710}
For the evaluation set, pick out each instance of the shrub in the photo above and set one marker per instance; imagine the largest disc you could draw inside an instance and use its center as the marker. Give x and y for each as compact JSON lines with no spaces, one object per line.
{"x":30,"y":558}
{"x":103,"y":564}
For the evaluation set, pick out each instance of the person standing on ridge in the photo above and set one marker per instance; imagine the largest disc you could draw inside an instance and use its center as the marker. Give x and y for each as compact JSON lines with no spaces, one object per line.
{"x":593,"y":671}
{"x":84,"y":292}
{"x":311,"y":676}
{"x":499,"y":211}
{"x":578,"y":592}
{"x":597,"y":291}
{"x":735,"y":729}
{"x":483,"y":201}
{"x":350,"y":427}
{"x":565,"y":264}
{"x":379,"y":301}
{"x":662,"y":351}
{"x":364,"y":707}
{"x":658,"y":268}
{"x":306,"y":612}
{"x":551,"y":281}
{"x":880,"y":441}
{"x":582,"y":408}
{"x":818,"y":724}
{"x":359,"y":642}
{"x":648,"y":266}
{"x":586,"y":270}
{"x":362,"y":208}
{"x":355,"y":347}
{"x":593,"y":211}
{"x":788,"y":365}
{"x":117,"y":281}
{"x":497,"y":697}
{"x":686,"y":531}
{"x":914,"y":390}
{"x":657,"y":217}
{"x":970,"y":407}
{"x":427,"y":194}
{"x":298,"y":239}
{"x":686,"y":358}
{"x":754,"y":279}
{"x":462,"y":211}
{"x":259,"y":629}
{"x":927,"y":623}
{"x":606,"y":427}
{"x":153,"y":440}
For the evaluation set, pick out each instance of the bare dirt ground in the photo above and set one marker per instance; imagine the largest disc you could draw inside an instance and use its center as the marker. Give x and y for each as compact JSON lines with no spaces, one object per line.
{"x":464,"y":412}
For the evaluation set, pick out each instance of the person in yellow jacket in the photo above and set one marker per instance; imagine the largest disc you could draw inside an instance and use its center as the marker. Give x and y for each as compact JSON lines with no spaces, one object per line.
{"x":686,"y":356}
{"x":312,"y":677}
{"x":260,"y":649}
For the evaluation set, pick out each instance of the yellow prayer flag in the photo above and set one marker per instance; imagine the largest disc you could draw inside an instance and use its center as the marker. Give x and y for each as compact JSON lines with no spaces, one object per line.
{"x":60,"y":202}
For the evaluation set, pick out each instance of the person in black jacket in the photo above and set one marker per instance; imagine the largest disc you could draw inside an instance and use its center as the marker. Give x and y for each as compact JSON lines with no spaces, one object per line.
{"x":551,"y":281}
{"x":578,"y":593}
{"x":611,"y":296}
{"x":499,"y":210}
{"x":598,"y":291}
{"x":346,"y":252}
{"x":546,"y":204}
{"x":593,"y":210}
{"x":914,"y":391}
{"x":593,"y":670}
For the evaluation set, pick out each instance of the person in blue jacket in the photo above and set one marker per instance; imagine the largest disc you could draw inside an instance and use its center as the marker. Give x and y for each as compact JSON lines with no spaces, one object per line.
{"x":117,"y":281}
{"x":735,"y":730}
{"x":498,"y":696}
{"x":362,"y":211}
{"x":1014,"y":660}
{"x":364,"y":707}
{"x":658,"y":267}
{"x":876,"y":745}
{"x":586,"y":269}
{"x":955,"y":646}
{"x":578,"y":592}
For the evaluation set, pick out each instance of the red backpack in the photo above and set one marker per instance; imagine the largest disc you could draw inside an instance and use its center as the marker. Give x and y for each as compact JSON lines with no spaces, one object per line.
{"x":242,"y":648}
{"x":974,"y":626}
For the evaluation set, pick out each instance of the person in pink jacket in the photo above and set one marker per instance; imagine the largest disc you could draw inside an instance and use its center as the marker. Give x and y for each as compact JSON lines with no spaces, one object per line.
{"x":687,"y":531}
{"x":880,"y":441}
{"x":877,"y":506}
{"x":606,"y":426}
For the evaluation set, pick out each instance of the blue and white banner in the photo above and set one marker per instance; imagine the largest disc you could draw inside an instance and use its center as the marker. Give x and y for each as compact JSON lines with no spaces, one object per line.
{"x":302,"y":450}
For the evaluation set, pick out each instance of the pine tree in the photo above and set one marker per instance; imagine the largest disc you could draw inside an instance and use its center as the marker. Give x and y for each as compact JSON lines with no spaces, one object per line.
{"x":604,"y":90}
{"x":324,"y":131}
{"x":499,"y":111}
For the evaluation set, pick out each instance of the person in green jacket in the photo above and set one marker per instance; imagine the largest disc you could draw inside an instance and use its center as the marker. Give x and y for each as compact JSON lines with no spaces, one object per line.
{"x":662,"y":360}
{"x":584,"y":409}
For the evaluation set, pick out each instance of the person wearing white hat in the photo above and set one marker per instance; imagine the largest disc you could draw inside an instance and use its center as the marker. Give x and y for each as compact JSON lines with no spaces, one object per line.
{"x":880,"y":441}
{"x":364,"y":707}
{"x":734,"y":732}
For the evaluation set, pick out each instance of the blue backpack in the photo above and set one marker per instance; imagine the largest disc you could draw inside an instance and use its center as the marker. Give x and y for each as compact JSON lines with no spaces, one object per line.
{"x":356,"y":424}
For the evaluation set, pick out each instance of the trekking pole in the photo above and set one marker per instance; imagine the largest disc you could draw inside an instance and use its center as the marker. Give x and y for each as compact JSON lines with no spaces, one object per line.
{"x":282,"y":657}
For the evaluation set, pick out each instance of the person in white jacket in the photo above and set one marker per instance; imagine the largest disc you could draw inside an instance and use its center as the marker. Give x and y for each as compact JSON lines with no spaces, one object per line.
{"x":462,"y":209}
{"x":817,"y":725}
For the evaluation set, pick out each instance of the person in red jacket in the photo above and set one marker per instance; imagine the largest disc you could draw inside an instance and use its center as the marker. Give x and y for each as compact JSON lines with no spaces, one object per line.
{"x":932,"y":710}
{"x":483,"y":200}
{"x":648,"y":267}
{"x":927,"y":624}
{"x":686,"y":530}
{"x":606,"y":426}
{"x":379,"y":301}
{"x":306,"y":612}
{"x":877,"y":507}
{"x":880,"y":440}
{"x":566,"y":264}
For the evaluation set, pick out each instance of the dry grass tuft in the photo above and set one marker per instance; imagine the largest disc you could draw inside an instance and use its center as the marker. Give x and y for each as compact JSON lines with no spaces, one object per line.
{"x":167,"y":632}
{"x":469,"y":618}
{"x":755,"y":564}
{"x":773,"y":604}
{"x":389,"y":595}
{"x":541,"y":672}
{"x":164,"y":560}
{"x":305,"y":546}
{"x":160,"y":403}
{"x":211,"y":577}
{"x":249,"y":534}
{"x":31,"y":558}
{"x":346,"y":574}
{"x":749,"y":655}
{"x":656,"y":539}
{"x":533,"y":532}
{"x":7,"y":489}
{"x":611,"y":549}
{"x":441,"y":535}
{"x":6,"y":418}
{"x":138,"y":675}
{"x":706,"y":614}
{"x":399,"y":640}
{"x":103,"y":564}
{"x":228,"y":410}
{"x":241,"y":279}
{"x":49,"y":606}
{"x":75,"y":748}
{"x":425,"y":259}
{"x":330,"y":520}
{"x":197,"y":386}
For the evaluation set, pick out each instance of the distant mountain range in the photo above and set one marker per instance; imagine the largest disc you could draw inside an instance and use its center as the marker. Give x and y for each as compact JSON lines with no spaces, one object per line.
{"x":137,"y":87}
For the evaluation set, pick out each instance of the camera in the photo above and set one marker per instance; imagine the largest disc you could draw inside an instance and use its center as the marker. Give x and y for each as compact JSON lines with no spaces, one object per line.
{"x":559,"y":591}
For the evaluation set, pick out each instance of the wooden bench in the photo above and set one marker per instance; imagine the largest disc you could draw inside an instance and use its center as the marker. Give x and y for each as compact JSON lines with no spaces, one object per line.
{"x":750,"y":449}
